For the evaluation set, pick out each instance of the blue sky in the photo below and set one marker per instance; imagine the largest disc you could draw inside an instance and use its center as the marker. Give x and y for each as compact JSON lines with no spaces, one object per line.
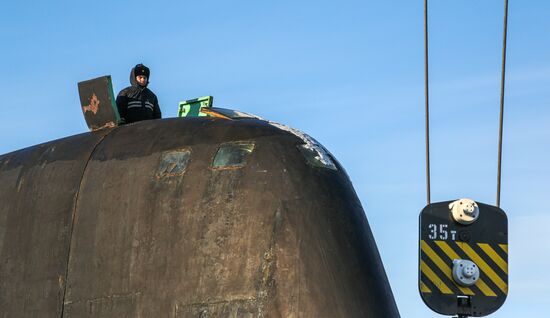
{"x":349,"y":73}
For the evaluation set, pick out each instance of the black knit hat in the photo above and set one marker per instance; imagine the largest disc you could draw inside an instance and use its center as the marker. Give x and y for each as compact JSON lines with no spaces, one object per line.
{"x":141,"y":69}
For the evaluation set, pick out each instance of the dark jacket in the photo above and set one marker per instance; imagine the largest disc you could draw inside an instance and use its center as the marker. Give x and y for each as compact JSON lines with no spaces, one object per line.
{"x":136,"y":103}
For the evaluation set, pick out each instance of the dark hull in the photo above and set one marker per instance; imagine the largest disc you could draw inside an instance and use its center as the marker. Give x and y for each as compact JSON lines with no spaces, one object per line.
{"x":89,"y":228}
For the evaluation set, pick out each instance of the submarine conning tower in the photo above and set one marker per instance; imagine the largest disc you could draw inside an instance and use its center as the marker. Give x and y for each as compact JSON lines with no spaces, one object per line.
{"x":185,"y":217}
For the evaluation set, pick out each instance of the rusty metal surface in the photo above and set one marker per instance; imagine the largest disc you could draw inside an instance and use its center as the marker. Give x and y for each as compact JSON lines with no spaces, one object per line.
{"x":38,"y":186}
{"x":275,"y":238}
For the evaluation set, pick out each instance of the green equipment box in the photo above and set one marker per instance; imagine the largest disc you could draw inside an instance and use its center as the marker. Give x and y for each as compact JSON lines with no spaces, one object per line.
{"x":192,"y":107}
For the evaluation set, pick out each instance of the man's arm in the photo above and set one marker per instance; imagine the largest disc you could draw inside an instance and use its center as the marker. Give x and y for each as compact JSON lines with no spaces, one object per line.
{"x":156,"y":111}
{"x":122,"y":106}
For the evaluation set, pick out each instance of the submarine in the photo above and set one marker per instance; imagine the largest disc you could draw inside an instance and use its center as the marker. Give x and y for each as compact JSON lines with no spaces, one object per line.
{"x":227,"y":216}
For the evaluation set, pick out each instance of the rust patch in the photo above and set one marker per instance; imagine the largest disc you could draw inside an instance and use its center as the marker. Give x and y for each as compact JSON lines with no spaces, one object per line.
{"x":212,"y":113}
{"x":94,"y":105}
{"x":107,"y":125}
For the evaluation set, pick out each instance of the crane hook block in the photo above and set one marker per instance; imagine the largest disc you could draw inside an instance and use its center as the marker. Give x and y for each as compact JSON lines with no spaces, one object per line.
{"x":463,"y":258}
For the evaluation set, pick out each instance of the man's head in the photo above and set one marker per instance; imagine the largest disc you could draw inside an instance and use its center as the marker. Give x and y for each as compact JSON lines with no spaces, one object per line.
{"x":141,"y":72}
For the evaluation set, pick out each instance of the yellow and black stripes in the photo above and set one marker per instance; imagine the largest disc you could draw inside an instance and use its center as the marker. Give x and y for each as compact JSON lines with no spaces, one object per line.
{"x":436,"y":267}
{"x":451,"y":254}
{"x":443,"y":267}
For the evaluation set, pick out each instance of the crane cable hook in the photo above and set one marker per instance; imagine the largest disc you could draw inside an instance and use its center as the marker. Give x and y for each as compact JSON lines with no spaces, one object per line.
{"x":427,"y":109}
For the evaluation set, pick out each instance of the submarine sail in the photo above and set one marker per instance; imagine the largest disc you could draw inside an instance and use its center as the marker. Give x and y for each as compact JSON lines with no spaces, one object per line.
{"x":194,"y":217}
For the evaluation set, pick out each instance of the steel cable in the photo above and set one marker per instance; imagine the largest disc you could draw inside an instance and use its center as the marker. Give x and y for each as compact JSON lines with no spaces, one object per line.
{"x":426,"y":97}
{"x":502,"y":85}
{"x":427,"y":109}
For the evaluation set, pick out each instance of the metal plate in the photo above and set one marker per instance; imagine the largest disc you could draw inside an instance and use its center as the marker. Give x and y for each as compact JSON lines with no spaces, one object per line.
{"x":485,"y":242}
{"x":98,"y":103}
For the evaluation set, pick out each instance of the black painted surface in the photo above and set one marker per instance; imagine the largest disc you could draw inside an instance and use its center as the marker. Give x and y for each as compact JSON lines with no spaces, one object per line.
{"x":274,"y":238}
{"x":38,"y":188}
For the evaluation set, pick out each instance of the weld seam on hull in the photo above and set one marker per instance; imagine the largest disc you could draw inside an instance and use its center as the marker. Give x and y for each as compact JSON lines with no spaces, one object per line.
{"x":73,"y":215}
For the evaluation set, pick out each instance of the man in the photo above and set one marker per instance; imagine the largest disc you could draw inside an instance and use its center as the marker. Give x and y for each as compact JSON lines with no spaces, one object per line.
{"x":137,"y":102}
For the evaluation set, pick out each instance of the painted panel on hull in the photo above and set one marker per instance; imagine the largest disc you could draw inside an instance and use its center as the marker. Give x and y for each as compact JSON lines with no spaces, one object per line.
{"x":173,"y":163}
{"x":37,"y":192}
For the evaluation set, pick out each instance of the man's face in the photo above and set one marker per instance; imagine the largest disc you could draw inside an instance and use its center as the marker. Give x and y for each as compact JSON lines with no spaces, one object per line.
{"x":142,"y":80}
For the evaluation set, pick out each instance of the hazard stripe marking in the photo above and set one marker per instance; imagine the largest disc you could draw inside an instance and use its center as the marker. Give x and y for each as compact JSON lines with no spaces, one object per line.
{"x":483,"y":266}
{"x":424,"y":288}
{"x":443,"y":266}
{"x":486,"y":290}
{"x":434,"y":278}
{"x":494,"y":256}
{"x":504,"y":247}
